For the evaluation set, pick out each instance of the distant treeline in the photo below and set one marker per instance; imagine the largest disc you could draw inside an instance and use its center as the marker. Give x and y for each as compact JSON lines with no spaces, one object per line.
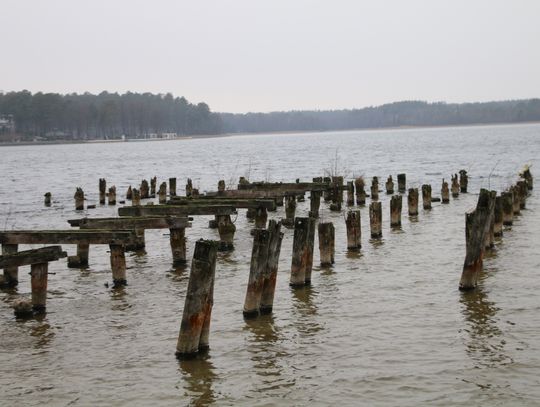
{"x":135,"y":115}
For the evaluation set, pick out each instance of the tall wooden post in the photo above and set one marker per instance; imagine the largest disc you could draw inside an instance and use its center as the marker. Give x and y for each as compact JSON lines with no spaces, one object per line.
{"x":162,"y":194}
{"x":375,"y":219}
{"x":153,"y":182}
{"x":136,"y":197}
{"x":144,"y":190}
{"x":426,"y":196}
{"x":79,"y":199}
{"x":290,"y":209}
{"x":354,"y":230}
{"x":455,"y":186}
{"x":102,"y":190}
{"x":118,"y":264}
{"x":261,"y":216}
{"x":498,"y":217}
{"x":326,"y":243}
{"x":375,"y":189}
{"x":300,"y":252}
{"x":350,"y":193}
{"x":396,"y":203}
{"x":112,"y":195}
{"x":360,"y":191}
{"x":508,"y":208}
{"x":270,"y":274}
{"x":445,"y":192}
{"x":226,"y":231}
{"x":402,"y":183}
{"x":259,"y":258}
{"x":11,"y":274}
{"x":463,"y":181}
{"x":195,"y":328}
{"x":172,"y":186}
{"x":390,"y":185}
{"x":315,"y":203}
{"x":310,"y":249}
{"x":39,"y":274}
{"x":178,"y":246}
{"x":412,"y":201}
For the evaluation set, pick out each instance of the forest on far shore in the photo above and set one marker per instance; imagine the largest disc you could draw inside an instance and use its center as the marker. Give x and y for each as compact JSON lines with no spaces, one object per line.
{"x":108,"y":116}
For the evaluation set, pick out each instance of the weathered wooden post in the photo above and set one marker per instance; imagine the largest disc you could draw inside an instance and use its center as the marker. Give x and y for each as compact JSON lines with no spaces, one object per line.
{"x":463,"y":181}
{"x":426,"y":196}
{"x":360,"y":191}
{"x":261,"y":216}
{"x":396,"y":203}
{"x":350,"y":193}
{"x":508,"y":208}
{"x":489,"y":243}
{"x":375,"y":219}
{"x":290,"y":209}
{"x":226,"y":231}
{"x":102,"y":190}
{"x":300,"y":252}
{"x":178,"y":245}
{"x":338,"y":191}
{"x":144,"y":190}
{"x":172,"y":186}
{"x":412,"y":201}
{"x":259,"y":258}
{"x":162,"y":193}
{"x":81,"y":259}
{"x":79,"y":199}
{"x":195,"y":328}
{"x":270,"y":274}
{"x":310,"y":249}
{"x":39,"y":273}
{"x":354,"y":230}
{"x":315,"y":203}
{"x":11,"y":274}
{"x":47,"y":200}
{"x":118,"y":264}
{"x":153,"y":182}
{"x":250,"y":213}
{"x":445,"y":192}
{"x":112,"y":195}
{"x":189,"y":187}
{"x":522,"y":193}
{"x":516,"y":201}
{"x":136,"y":197}
{"x":455,"y":186}
{"x":498,"y":217}
{"x":326,"y":243}
{"x":129,"y":194}
{"x":327,"y":193}
{"x":390,"y":185}
{"x":279,"y":200}
{"x":402,"y":183}
{"x":221,"y":187}
{"x":195,"y":193}
{"x":526,"y":174}
{"x":375,"y":189}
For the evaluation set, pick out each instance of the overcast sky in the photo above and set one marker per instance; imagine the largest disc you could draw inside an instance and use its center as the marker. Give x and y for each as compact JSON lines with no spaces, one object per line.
{"x":249,"y":55}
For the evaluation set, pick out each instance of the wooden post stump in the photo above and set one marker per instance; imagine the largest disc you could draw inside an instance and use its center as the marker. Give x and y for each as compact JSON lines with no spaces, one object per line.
{"x":251,"y":213}
{"x":259,"y":258}
{"x":153,"y":182}
{"x":79,"y":199}
{"x":526,"y":174}
{"x":522,"y":191}
{"x":338,"y":189}
{"x":350,"y":193}
{"x":354,"y":230}
{"x":300,"y":252}
{"x":375,"y":219}
{"x":226,"y":231}
{"x":360,"y":191}
{"x":11,"y":274}
{"x":402,"y":183}
{"x":22,"y":308}
{"x":412,"y":201}
{"x":118,"y":264}
{"x":315,"y":203}
{"x":261,"y":216}
{"x":290,"y":209}
{"x":375,"y":189}
{"x":270,"y":274}
{"x":172,"y":186}
{"x":112,"y":195}
{"x":81,"y":259}
{"x":195,"y":328}
{"x":221,"y":187}
{"x":162,"y":194}
{"x":178,"y":246}
{"x":189,"y":187}
{"x":455,"y":186}
{"x":508,"y":208}
{"x":426,"y":196}
{"x":136,"y":197}
{"x":102,"y":190}
{"x":463,"y":181}
{"x":144,"y":190}
{"x":396,"y":203}
{"x":326,"y":243}
{"x":47,"y":201}
{"x":445,"y":192}
{"x":389,"y":185}
{"x":39,"y":273}
{"x":129,"y":194}
{"x":498,"y":216}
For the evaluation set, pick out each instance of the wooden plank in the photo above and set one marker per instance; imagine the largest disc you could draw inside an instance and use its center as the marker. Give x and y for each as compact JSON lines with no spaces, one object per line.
{"x":268,"y":204}
{"x":147,"y":222}
{"x":176,"y":210}
{"x":243,"y":194}
{"x":66,"y":237}
{"x":28,"y":257}
{"x":298,"y":187}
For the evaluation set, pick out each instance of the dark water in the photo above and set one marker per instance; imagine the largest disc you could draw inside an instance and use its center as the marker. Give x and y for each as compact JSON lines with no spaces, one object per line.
{"x":385,"y":326}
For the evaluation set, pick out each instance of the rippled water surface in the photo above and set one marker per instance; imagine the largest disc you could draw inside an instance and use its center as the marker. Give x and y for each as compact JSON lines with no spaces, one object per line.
{"x":385,"y":326}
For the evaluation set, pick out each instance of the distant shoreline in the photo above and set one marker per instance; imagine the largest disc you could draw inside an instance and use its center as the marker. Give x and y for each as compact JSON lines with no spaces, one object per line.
{"x":198,"y":136}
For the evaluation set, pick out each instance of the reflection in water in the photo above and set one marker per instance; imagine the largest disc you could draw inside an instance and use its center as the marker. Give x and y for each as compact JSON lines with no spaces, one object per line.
{"x":119,"y":299}
{"x":377,"y":243}
{"x":305,"y":311}
{"x":485,"y":345}
{"x":265,"y":335}
{"x":198,"y":376}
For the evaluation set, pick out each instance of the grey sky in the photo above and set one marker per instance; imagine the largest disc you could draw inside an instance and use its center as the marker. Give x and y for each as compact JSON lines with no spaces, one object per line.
{"x":249,"y":55}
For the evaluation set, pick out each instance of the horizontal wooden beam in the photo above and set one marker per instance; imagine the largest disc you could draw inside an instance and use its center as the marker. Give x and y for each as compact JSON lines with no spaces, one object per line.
{"x":28,"y":257}
{"x":67,"y":237}
{"x":269,"y":204}
{"x":284,"y":186}
{"x":176,"y":210}
{"x":127,"y":223}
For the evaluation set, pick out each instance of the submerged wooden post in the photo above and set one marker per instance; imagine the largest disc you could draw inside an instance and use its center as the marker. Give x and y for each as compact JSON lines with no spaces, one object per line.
{"x":178,"y":245}
{"x":426,"y":196}
{"x":270,"y":274}
{"x":375,"y":189}
{"x":195,"y":328}
{"x":162,"y":194}
{"x":79,"y":199}
{"x":189,"y":187}
{"x":39,"y":274}
{"x":172,"y":186}
{"x":102,"y":190}
{"x":47,"y":200}
{"x":360,"y":191}
{"x":226,"y":231}
{"x":354,"y":230}
{"x":396,"y":203}
{"x":129,"y":194}
{"x":153,"y":182}
{"x":145,"y":190}
{"x":402,"y":183}
{"x":412,"y":201}
{"x":259,"y":258}
{"x":326,"y":243}
{"x":81,"y":259}
{"x":136,"y":197}
{"x":508,"y":208}
{"x":463,"y":181}
{"x":310,"y":249}
{"x":315,"y":203}
{"x":290,"y":209}
{"x":498,"y":217}
{"x":261,"y":216}
{"x":375,"y":219}
{"x":350,"y":193}
{"x":118,"y":264}
{"x":11,"y":274}
{"x":112,"y":195}
{"x":445,"y":192}
{"x":455,"y":186}
{"x":300,"y":252}
{"x":390,"y":185}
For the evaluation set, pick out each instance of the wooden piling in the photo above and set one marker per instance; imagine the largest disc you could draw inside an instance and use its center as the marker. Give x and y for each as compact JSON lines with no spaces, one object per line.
{"x":396,"y":203}
{"x":189,"y":187}
{"x":270,"y":274}
{"x":102,"y":190}
{"x":310,"y":249}
{"x":112,"y":195}
{"x":375,"y":219}
{"x":375,"y":189}
{"x":81,"y":259}
{"x":445,"y":192}
{"x":39,"y":273}
{"x":144,"y":190}
{"x":261,"y":216}
{"x":402,"y":183}
{"x":129,"y":194}
{"x":390,"y":185}
{"x":162,"y":193}
{"x":153,"y":182}
{"x":350,"y":193}
{"x":136,"y":197}
{"x":178,"y":246}
{"x":360,"y":191}
{"x":259,"y":258}
{"x":172,"y":186}
{"x":337,"y":181}
{"x":489,"y":242}
{"x":326,"y":243}
{"x":426,"y":196}
{"x":498,"y":217}
{"x":516,"y":200}
{"x":315,"y":203}
{"x":195,"y":327}
{"x":300,"y":252}
{"x":522,"y":191}
{"x":118,"y":264}
{"x":47,"y":200}
{"x":221,"y":187}
{"x":226,"y":231}
{"x":463,"y":181}
{"x":11,"y":274}
{"x":290,"y":209}
{"x":79,"y":199}
{"x":354,"y":230}
{"x":507,"y":208}
{"x":455,"y":186}
{"x":526,"y":174}
{"x":412,"y":201}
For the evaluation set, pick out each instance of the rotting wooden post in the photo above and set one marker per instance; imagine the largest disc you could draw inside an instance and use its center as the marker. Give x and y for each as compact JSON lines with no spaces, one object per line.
{"x":516,"y":207}
{"x":81,"y":259}
{"x":402,"y":183}
{"x":327,"y":193}
{"x":172,"y":186}
{"x":39,"y":273}
{"x":310,"y":249}
{"x":221,"y":187}
{"x":522,"y":193}
{"x":315,"y":203}
{"x":300,"y":252}
{"x":350,"y":193}
{"x":259,"y":258}
{"x":112,"y":195}
{"x":445,"y":192}
{"x":11,"y":274}
{"x":490,"y":235}
{"x":226,"y":231}
{"x":79,"y":199}
{"x":178,"y":246}
{"x":195,"y":326}
{"x":290,"y":209}
{"x":145,"y":189}
{"x":375,"y":219}
{"x":477,"y":224}
{"x":396,"y":203}
{"x":153,"y":182}
{"x":360,"y":191}
{"x":498,"y":217}
{"x":354,"y":230}
{"x":47,"y":200}
{"x":118,"y":264}
{"x":338,"y":190}
{"x":508,"y":208}
{"x":375,"y":189}
{"x":261,"y":216}
{"x":129,"y":194}
{"x":189,"y":187}
{"x":526,"y":174}
{"x":426,"y":196}
{"x":136,"y":197}
{"x":162,"y":193}
{"x":326,"y":243}
{"x":270,"y":274}
{"x":412,"y":201}
{"x":455,"y":186}
{"x":463,"y":181}
{"x":102,"y":190}
{"x":195,"y":193}
{"x":390,"y":185}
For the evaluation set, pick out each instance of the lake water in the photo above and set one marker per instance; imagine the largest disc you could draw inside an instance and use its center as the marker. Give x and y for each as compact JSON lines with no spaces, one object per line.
{"x":386,"y":326}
